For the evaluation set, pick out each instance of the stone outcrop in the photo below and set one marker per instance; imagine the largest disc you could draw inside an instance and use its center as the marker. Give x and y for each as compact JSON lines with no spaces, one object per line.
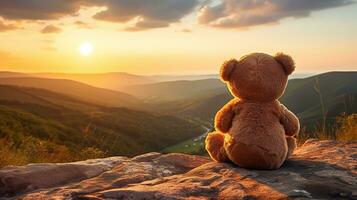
{"x":318,"y":170}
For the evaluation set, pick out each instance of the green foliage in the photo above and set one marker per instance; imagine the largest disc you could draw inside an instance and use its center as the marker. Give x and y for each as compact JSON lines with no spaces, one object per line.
{"x":188,"y":147}
{"x":345,"y":129}
{"x":10,"y":156}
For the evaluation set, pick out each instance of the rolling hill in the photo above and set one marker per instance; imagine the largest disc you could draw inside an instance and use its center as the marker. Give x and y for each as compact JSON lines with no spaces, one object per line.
{"x":77,"y":90}
{"x":338,"y":94}
{"x":38,"y":125}
{"x":113,"y":81}
{"x":8,"y":74}
{"x":176,"y":90}
{"x":43,"y":98}
{"x":193,"y":87}
{"x":119,"y":81}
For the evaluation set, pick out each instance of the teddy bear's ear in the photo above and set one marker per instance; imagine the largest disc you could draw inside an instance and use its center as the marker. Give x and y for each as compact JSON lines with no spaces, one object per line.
{"x":286,"y":61}
{"x":227,"y":69}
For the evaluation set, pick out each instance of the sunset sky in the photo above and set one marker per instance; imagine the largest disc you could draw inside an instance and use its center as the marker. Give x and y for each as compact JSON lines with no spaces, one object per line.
{"x":173,"y":36}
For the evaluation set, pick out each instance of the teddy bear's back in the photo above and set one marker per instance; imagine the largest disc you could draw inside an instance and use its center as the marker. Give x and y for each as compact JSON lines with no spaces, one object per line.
{"x":258,"y":124}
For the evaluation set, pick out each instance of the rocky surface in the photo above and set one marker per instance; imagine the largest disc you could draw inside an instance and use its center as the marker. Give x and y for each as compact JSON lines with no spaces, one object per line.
{"x":318,"y":170}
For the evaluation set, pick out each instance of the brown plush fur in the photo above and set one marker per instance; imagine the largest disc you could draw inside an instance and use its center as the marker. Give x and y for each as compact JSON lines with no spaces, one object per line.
{"x":254,"y":130}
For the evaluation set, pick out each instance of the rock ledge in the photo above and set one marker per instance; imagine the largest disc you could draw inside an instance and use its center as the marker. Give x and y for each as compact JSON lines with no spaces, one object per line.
{"x":318,"y":170}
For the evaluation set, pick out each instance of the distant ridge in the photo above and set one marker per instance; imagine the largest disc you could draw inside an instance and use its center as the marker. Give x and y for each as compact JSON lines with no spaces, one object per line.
{"x":76,"y":89}
{"x":176,"y":90}
{"x":120,"y":81}
{"x":114,"y":80}
{"x":9,"y":74}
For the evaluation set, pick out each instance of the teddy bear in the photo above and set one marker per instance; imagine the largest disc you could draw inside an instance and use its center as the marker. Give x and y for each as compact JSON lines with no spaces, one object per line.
{"x":254,"y":130}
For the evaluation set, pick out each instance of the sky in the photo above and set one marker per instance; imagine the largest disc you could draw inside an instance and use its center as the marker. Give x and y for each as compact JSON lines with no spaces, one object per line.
{"x":173,"y":36}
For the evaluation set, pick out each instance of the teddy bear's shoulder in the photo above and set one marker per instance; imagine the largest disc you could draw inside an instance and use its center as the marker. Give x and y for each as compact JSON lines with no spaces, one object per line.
{"x":274,"y":107}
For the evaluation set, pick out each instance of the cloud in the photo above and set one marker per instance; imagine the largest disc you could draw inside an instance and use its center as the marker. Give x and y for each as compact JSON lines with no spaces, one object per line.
{"x":144,"y":14}
{"x":140,"y":15}
{"x":51,"y":29}
{"x":7,"y":27}
{"x":248,"y":13}
{"x":141,"y":24}
{"x":38,"y":9}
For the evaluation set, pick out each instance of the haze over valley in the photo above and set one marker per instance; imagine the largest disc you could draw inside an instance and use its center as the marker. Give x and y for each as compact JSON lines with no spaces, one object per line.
{"x":55,"y":119}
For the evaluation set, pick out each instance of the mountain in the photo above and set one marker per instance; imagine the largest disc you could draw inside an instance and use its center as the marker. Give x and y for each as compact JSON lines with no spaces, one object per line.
{"x":165,"y":78}
{"x":317,"y":170}
{"x":176,"y":90}
{"x":203,"y":107}
{"x":113,"y":81}
{"x":38,"y":125}
{"x":337,"y":93}
{"x":190,"y":87}
{"x":45,"y":98}
{"x":119,"y":80}
{"x":77,"y":90}
{"x":7,"y":74}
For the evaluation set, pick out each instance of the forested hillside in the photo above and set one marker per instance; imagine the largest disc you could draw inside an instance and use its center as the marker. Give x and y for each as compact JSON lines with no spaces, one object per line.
{"x":76,"y":89}
{"x":38,"y":125}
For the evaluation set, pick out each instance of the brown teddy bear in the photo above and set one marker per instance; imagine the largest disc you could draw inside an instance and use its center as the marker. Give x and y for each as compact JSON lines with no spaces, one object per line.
{"x":254,"y":130}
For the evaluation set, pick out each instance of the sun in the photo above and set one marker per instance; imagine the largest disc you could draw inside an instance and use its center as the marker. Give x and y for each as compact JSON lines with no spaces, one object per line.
{"x":86,"y":49}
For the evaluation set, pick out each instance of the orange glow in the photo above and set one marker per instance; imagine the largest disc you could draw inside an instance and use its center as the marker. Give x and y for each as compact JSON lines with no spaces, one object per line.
{"x":172,"y":50}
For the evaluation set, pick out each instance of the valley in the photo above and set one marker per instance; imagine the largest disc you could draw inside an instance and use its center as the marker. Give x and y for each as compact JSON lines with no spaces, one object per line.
{"x":38,"y":125}
{"x":49,"y":116}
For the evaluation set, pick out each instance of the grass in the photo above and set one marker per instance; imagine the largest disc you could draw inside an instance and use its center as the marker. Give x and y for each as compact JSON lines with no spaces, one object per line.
{"x":191,"y":146}
{"x":345,"y":130}
{"x":33,"y":150}
{"x":348,"y":128}
{"x":194,"y":146}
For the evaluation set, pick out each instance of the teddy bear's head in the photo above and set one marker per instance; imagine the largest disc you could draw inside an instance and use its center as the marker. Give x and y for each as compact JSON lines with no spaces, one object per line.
{"x":258,"y":76}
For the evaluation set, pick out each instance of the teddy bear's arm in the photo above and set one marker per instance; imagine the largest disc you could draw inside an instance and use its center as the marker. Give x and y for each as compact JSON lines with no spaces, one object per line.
{"x":290,"y":122}
{"x":224,"y":117}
